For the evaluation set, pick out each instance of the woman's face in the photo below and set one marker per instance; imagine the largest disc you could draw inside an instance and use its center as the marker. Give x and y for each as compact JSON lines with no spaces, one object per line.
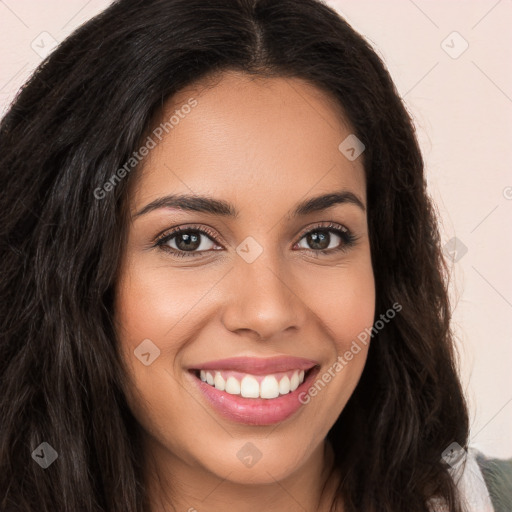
{"x":268,"y":280}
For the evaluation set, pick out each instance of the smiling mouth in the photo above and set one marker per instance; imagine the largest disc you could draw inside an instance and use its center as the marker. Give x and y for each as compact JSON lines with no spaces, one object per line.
{"x":246,"y":385}
{"x":259,"y":398}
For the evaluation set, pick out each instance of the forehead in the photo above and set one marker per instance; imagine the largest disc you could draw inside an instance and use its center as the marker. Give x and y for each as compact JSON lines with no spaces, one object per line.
{"x":255,"y":138}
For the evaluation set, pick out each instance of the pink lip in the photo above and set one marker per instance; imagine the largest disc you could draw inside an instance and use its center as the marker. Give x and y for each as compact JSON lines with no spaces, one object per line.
{"x":255,"y":411}
{"x":258,"y":365}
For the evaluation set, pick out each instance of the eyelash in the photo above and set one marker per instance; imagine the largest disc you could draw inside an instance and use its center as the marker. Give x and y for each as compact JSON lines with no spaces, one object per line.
{"x":348,"y":239}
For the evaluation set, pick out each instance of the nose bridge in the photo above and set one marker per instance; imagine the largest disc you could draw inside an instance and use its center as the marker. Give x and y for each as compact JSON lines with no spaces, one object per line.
{"x":263,"y":299}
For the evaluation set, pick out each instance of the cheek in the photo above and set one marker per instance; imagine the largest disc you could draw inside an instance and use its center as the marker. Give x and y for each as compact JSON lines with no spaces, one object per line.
{"x":152,"y":302}
{"x":156,"y":304}
{"x":344,"y":301}
{"x":344,"y":304}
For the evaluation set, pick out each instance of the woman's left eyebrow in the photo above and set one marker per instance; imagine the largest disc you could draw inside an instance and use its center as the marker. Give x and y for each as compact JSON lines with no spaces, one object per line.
{"x":325,"y":201}
{"x":213,"y":206}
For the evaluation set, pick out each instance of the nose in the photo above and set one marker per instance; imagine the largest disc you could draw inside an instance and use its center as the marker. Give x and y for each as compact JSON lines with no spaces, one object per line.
{"x":263,"y":299}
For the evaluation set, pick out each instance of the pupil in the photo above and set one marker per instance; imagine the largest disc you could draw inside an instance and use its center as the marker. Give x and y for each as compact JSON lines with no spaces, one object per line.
{"x":318,"y":240}
{"x":188,"y":242}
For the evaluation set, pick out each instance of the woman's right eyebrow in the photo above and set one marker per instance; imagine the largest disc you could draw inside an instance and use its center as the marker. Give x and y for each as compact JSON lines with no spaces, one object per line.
{"x":193,"y":203}
{"x":213,"y":206}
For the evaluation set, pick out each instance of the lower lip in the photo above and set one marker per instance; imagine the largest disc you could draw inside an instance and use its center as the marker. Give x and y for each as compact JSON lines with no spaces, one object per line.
{"x":255,"y":411}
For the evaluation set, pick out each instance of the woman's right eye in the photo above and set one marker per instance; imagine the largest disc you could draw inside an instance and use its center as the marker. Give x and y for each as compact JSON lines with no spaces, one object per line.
{"x":186,"y":242}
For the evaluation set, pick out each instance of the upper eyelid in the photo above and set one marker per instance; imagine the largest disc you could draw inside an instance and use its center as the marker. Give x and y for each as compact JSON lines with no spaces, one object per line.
{"x":169,"y":233}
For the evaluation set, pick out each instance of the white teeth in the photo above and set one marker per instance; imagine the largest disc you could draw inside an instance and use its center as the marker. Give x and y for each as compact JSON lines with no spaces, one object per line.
{"x":294,"y":381}
{"x":284,"y":385}
{"x":269,"y":387}
{"x":232,"y":386}
{"x":249,"y":387}
{"x":219,"y":381}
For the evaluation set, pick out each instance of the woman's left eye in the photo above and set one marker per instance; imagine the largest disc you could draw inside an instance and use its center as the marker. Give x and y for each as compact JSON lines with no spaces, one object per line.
{"x":193,"y":241}
{"x":322,"y":239}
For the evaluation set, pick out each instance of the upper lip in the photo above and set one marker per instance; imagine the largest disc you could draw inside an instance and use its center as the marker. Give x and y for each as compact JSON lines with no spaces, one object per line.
{"x":258,"y":365}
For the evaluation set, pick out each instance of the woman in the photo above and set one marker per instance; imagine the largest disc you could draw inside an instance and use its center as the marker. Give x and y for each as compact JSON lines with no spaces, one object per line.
{"x":222,"y":281}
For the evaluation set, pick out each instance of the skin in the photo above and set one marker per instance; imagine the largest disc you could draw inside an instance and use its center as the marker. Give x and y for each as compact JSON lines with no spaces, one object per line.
{"x":263,"y":145}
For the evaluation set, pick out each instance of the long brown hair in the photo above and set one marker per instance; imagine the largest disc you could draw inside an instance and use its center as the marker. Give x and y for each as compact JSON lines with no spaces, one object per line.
{"x":76,"y":121}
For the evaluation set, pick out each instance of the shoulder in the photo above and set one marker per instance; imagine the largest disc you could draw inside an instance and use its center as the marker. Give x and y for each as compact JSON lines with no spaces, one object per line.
{"x":497,"y":475}
{"x":470,"y":481}
{"x":484,"y":484}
